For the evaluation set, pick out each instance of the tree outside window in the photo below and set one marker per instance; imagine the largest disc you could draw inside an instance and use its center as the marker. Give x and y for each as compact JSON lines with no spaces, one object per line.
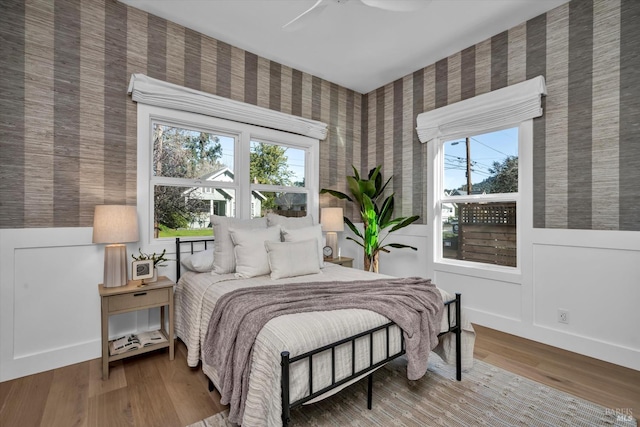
{"x":479,"y":201}
{"x":186,"y":154}
{"x":193,"y":178}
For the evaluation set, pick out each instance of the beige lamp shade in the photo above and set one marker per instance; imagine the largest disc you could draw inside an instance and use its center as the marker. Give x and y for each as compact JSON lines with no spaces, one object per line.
{"x":115,"y":225}
{"x":332,"y":221}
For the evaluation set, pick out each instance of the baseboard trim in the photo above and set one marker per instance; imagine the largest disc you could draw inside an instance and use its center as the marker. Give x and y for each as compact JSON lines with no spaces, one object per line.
{"x":590,"y":347}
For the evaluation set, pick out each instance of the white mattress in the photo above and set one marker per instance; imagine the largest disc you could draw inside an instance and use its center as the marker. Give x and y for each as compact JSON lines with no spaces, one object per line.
{"x":195,"y":298}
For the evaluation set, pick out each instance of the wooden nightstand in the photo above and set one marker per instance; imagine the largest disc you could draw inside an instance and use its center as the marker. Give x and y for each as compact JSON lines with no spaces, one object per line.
{"x":134,"y":297}
{"x":343,"y":260}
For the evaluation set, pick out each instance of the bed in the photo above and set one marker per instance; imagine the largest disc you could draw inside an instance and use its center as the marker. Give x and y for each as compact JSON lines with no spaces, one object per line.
{"x":294,"y":361}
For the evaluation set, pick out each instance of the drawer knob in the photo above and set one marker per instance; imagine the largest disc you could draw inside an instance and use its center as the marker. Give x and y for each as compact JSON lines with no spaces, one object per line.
{"x":139,"y":294}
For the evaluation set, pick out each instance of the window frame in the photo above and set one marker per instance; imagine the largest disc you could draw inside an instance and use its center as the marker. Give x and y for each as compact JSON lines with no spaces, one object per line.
{"x":523,"y":199}
{"x":148,"y":114}
{"x":270,"y":188}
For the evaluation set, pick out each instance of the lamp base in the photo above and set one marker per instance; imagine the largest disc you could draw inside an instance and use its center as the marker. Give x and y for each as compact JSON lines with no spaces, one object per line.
{"x":332,"y":241}
{"x":115,"y":265}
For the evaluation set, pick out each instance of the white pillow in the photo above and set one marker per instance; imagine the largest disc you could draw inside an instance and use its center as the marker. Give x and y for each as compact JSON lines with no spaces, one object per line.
{"x":200,"y":262}
{"x":290,"y":259}
{"x":306,"y":233}
{"x":289,"y":222}
{"x":224,"y":260}
{"x":251,"y":255}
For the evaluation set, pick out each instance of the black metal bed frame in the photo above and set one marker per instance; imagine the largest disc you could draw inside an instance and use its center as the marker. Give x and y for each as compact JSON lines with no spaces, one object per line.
{"x":191,"y":243}
{"x":287,"y":360}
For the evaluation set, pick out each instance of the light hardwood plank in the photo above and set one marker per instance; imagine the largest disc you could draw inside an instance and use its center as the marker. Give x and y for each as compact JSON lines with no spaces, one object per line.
{"x":110,"y":409}
{"x":67,"y":400}
{"x":97,"y":386}
{"x":25,"y":400}
{"x":184,"y":385}
{"x":150,"y":390}
{"x":609,"y":385}
{"x":150,"y":401}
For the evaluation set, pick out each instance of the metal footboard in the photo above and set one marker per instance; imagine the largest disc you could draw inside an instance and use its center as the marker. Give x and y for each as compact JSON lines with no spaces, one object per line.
{"x":454,"y":326}
{"x":286,"y":361}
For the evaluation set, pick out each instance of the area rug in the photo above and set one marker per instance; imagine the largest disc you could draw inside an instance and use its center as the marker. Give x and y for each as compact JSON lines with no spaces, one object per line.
{"x":486,"y":396}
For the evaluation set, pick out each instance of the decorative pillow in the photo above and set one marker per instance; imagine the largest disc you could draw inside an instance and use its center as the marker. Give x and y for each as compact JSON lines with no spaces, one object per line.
{"x":289,"y":222}
{"x":306,"y":233}
{"x":251,"y":255}
{"x":224,"y":260}
{"x":290,"y":259}
{"x":200,"y":262}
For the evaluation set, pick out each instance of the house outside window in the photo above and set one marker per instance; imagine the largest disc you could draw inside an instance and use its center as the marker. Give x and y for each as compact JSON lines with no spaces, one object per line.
{"x":198,"y":166}
{"x":192,"y":177}
{"x":220,"y":207}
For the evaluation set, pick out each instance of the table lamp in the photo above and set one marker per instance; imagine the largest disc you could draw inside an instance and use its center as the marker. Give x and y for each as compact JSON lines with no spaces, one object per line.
{"x":332,"y":221}
{"x":115,"y":225}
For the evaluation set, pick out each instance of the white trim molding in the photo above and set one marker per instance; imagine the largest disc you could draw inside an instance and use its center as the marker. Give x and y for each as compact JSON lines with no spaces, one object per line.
{"x":150,"y":91}
{"x":49,"y":301}
{"x":501,"y":107}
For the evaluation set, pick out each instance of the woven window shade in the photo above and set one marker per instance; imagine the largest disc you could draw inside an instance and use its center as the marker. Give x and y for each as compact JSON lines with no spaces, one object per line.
{"x":507,"y":106}
{"x":150,"y":91}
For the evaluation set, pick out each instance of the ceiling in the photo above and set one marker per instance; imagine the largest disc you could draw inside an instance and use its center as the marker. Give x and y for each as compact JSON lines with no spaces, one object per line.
{"x":351,"y":44}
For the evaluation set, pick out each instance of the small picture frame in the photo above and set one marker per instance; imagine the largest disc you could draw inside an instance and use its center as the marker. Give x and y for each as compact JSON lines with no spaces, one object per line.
{"x":142,"y":269}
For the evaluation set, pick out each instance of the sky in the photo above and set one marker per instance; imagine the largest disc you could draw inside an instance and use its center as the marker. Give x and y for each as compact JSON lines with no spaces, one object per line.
{"x":227,"y":151}
{"x":295,"y":157}
{"x":484,"y":149}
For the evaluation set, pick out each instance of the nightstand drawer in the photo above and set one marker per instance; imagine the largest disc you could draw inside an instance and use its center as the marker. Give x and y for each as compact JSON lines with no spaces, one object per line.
{"x":343,"y":261}
{"x":137,"y":299}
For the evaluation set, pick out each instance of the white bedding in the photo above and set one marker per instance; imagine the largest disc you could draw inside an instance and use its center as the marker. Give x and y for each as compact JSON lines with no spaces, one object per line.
{"x":196,"y":294}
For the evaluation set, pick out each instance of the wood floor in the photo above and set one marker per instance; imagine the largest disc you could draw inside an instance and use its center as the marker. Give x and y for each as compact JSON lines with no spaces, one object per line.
{"x":611,"y":386}
{"x":150,"y":390}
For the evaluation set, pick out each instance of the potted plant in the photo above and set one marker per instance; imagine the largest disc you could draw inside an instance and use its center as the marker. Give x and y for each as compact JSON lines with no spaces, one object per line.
{"x":376,"y":217}
{"x":157,"y":259}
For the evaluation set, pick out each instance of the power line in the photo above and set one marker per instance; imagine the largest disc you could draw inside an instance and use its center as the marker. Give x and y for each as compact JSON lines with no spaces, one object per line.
{"x":491,"y":148}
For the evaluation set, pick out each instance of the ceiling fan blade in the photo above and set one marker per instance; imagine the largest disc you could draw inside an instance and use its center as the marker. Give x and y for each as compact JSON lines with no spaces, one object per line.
{"x":301,"y":20}
{"x":397,"y":5}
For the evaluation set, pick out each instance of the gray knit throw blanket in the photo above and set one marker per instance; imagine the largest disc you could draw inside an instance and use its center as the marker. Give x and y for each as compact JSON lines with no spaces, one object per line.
{"x":413,"y":303}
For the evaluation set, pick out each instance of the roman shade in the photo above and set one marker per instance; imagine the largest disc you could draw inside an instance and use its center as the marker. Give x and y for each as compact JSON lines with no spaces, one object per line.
{"x":507,"y":106}
{"x":150,"y":91}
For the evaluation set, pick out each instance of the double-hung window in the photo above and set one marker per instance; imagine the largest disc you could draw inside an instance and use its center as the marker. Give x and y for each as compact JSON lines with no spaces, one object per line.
{"x":193,"y":166}
{"x":200,"y":155}
{"x":479,"y":197}
{"x":480,"y":187}
{"x":192,"y":176}
{"x":278,"y":176}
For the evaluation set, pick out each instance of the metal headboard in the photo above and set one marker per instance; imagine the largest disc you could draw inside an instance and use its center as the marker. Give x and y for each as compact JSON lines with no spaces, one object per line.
{"x":194,"y":246}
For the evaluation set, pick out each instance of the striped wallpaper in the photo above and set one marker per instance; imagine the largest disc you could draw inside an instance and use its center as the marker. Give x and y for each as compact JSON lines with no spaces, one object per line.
{"x":68,"y":129}
{"x":587,"y":144}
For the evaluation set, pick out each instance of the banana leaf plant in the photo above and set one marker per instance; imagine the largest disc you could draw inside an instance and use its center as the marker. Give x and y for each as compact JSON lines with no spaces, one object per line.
{"x":376,"y":217}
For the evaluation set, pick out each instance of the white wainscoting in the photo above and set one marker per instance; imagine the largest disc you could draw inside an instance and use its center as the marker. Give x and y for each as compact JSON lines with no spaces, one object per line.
{"x":593,"y":274}
{"x":50,"y":308}
{"x":49,"y":302}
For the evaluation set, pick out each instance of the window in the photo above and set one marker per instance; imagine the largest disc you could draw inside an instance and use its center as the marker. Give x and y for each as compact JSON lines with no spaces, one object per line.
{"x":277,"y":175}
{"x":479,"y":198}
{"x":480,"y":186}
{"x":195,"y":166}
{"x":191,"y":167}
